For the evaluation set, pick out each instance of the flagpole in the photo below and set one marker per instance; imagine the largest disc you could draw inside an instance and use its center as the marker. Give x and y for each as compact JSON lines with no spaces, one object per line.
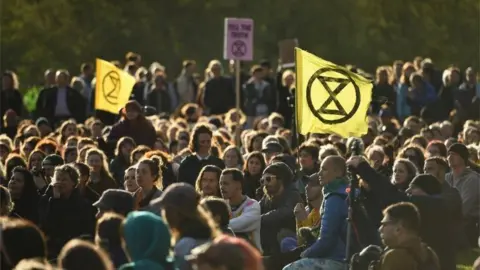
{"x":293,"y":105}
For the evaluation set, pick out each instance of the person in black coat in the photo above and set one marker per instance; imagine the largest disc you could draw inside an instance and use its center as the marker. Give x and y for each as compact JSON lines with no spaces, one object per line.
{"x":200,"y":145}
{"x":24,"y":194}
{"x":61,"y":102}
{"x":425,"y":192}
{"x":159,"y":97}
{"x":64,"y":213}
{"x":219,"y":94}
{"x":10,"y":97}
{"x":133,"y":124}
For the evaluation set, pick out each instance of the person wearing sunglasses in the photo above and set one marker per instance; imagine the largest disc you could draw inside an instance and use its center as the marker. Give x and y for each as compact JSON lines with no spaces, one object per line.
{"x":281,"y":196}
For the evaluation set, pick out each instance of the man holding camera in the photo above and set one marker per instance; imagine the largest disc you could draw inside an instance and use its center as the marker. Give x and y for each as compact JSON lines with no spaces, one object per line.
{"x":400,"y":233}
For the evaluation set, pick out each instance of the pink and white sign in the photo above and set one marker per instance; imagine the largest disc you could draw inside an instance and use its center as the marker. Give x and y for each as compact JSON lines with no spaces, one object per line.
{"x":238,"y":39}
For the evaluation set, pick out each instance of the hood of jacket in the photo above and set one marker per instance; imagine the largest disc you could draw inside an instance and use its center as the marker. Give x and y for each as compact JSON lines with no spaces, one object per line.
{"x":147,"y":238}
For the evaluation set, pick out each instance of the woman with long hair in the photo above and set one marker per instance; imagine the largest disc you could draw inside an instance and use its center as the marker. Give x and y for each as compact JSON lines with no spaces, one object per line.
{"x":121,"y":161}
{"x":100,"y":178}
{"x":415,"y":154}
{"x":253,"y":169}
{"x":191,"y":225}
{"x":383,"y":90}
{"x":168,"y":175}
{"x":24,"y":194}
{"x":35,"y":159}
{"x":67,"y":129}
{"x":403,"y":173}
{"x":403,"y":109}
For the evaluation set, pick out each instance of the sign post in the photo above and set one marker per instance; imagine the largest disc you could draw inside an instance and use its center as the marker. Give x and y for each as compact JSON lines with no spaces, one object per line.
{"x":238,"y":46}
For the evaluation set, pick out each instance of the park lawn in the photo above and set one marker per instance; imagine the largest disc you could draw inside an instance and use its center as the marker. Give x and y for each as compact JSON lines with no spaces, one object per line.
{"x":465,"y":259}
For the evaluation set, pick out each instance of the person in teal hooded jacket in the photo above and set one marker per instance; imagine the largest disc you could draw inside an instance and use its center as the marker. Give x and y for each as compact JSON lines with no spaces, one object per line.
{"x":147,"y":241}
{"x":328,"y":251}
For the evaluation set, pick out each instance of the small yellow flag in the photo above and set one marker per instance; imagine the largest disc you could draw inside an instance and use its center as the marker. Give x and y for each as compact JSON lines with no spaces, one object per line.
{"x":113,"y":87}
{"x":330,"y":98}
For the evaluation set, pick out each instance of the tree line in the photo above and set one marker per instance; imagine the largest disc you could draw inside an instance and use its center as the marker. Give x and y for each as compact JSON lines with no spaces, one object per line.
{"x":38,"y":34}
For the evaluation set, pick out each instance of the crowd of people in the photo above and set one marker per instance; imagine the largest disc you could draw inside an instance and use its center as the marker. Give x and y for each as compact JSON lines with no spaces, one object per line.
{"x":181,"y":179}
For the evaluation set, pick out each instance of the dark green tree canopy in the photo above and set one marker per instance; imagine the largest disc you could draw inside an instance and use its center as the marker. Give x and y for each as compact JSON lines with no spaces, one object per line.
{"x":40,"y":34}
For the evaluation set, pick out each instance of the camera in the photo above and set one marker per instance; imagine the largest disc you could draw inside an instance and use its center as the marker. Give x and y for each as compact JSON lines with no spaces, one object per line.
{"x":367,"y":257}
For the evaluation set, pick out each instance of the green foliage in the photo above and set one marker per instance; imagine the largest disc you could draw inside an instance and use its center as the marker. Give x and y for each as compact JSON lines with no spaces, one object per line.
{"x":466,"y":258}
{"x":30,"y":98}
{"x":40,"y":34}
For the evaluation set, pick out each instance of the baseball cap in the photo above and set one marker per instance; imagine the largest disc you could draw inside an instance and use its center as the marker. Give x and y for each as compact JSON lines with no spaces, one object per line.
{"x":117,"y":200}
{"x":181,"y":196}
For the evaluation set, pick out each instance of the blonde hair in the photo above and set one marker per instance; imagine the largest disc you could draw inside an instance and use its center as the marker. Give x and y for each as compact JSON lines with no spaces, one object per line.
{"x":285,"y":74}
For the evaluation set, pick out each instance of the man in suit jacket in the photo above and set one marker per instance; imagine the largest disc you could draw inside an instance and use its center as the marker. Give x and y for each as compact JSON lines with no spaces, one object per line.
{"x":61,"y":102}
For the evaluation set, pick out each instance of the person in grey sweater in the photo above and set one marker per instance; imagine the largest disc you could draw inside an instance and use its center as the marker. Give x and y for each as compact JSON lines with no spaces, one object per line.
{"x":467,"y":182}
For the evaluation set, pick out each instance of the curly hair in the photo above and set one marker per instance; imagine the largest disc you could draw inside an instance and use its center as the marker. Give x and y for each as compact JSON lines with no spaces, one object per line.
{"x":197,"y":130}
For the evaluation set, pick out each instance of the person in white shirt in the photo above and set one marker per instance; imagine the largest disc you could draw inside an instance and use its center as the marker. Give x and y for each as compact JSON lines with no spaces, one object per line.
{"x":246,"y":216}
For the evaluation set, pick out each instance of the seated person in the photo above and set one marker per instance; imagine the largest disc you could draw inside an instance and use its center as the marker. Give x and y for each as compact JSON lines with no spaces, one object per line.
{"x":220,"y":213}
{"x":306,"y":217}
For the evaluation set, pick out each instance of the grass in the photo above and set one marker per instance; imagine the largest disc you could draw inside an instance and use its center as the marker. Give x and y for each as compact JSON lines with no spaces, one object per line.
{"x":465,"y":259}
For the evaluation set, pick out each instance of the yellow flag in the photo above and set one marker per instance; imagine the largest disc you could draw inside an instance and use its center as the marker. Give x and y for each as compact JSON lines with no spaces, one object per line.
{"x":113,"y":87}
{"x":330,"y":98}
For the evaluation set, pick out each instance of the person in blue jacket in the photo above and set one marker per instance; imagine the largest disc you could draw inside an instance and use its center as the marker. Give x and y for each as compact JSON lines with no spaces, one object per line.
{"x":328,"y":251}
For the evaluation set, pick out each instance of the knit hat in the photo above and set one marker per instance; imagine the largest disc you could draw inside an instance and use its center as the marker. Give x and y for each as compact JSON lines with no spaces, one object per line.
{"x":42,"y":121}
{"x":53,"y":160}
{"x":280,"y":170}
{"x":182,"y":196}
{"x":428,"y":183}
{"x":147,"y":240}
{"x":461,"y":150}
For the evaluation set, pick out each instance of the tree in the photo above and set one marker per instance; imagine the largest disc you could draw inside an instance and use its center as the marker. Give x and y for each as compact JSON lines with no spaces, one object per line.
{"x":40,"y":34}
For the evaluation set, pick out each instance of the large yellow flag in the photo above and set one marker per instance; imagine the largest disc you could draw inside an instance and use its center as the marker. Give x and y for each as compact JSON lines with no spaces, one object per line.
{"x":113,"y":87}
{"x":329,"y":98}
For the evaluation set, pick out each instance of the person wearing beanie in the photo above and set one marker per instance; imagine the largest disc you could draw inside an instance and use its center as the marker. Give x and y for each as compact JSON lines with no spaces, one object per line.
{"x":49,"y":163}
{"x":281,"y":196}
{"x":147,"y":241}
{"x":467,"y":182}
{"x":43,"y":126}
{"x":425,"y":184}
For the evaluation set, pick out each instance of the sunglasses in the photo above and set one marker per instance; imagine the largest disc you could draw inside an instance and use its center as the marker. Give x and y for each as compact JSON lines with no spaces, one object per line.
{"x":267,"y":179}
